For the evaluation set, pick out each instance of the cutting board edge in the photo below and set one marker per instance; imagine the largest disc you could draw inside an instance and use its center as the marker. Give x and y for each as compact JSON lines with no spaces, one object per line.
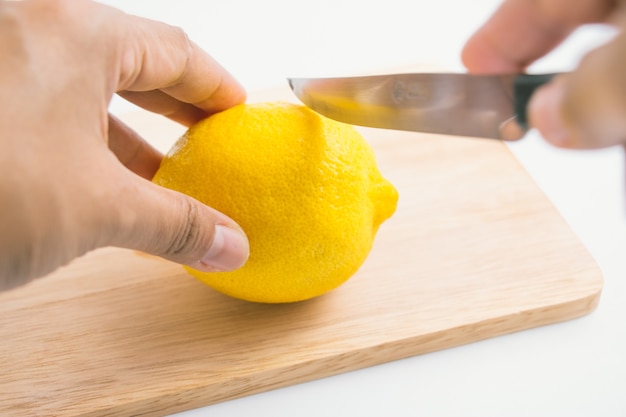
{"x":339,"y":363}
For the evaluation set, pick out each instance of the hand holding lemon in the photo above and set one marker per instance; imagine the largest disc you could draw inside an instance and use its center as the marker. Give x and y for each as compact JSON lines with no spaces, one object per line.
{"x":73,"y":178}
{"x":70,"y":176}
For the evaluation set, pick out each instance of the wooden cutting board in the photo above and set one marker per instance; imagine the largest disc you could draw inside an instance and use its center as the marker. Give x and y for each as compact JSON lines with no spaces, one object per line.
{"x":474,"y":251}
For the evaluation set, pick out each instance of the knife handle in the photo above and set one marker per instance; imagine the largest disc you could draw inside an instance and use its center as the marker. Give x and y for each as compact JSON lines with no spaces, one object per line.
{"x":524,"y":86}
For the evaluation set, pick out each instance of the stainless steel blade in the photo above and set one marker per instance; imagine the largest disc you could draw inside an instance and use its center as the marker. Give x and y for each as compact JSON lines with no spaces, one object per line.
{"x":452,"y":104}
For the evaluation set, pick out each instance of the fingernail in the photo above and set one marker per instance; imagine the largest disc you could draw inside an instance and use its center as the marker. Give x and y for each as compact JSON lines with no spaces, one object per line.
{"x":230,"y":250}
{"x":546,"y":114}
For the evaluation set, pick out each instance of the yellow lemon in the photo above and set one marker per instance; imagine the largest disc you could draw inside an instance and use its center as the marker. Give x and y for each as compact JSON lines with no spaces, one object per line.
{"x":304,"y":188}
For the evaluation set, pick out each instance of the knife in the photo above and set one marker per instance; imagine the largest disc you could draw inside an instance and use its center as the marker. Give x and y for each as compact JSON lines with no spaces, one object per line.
{"x":448,"y":103}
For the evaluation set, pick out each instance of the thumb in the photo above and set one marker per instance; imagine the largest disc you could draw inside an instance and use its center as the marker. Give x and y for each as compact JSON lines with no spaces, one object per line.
{"x":585,"y":109}
{"x":177,"y":227}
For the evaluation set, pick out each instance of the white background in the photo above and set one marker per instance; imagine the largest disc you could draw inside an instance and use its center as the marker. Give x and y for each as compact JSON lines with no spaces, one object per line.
{"x":577,"y":368}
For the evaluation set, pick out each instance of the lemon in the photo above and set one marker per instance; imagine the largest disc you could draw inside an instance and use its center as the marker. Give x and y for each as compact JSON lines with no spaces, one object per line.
{"x":304,"y":188}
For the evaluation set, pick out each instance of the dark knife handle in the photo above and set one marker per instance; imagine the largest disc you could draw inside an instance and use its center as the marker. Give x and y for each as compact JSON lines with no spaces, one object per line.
{"x":524,"y":86}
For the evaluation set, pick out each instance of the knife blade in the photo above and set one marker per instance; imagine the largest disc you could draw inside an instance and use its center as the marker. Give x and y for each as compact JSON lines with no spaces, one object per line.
{"x":446,"y":103}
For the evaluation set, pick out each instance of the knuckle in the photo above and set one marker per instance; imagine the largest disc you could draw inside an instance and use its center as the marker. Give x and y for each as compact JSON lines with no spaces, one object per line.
{"x":142,"y":62}
{"x":186,"y":238}
{"x":182,"y":44}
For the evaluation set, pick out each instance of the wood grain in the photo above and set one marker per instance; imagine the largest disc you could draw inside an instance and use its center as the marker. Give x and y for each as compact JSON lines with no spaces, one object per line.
{"x":474,"y":251}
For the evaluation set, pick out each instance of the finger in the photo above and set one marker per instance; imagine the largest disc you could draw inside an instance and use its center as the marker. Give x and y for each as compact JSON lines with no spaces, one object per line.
{"x":587,"y":108}
{"x":177,"y":227}
{"x":156,"y":56}
{"x":158,"y":102}
{"x":132,"y":151}
{"x":521,"y":31}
